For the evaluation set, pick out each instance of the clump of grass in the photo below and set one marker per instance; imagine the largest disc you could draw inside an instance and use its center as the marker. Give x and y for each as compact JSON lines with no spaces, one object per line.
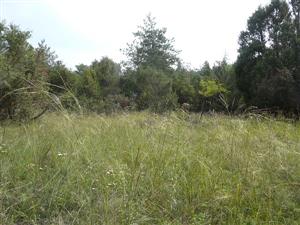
{"x":141,"y":168}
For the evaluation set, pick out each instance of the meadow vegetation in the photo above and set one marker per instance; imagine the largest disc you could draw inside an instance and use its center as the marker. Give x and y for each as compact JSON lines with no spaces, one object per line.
{"x":144,"y":168}
{"x":150,"y":140}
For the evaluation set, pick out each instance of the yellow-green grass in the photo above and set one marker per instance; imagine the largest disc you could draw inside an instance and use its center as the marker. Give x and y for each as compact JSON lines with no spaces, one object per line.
{"x":142,"y":168}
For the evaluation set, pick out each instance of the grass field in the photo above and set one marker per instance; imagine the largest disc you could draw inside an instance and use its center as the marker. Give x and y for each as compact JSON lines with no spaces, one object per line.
{"x":142,"y":168}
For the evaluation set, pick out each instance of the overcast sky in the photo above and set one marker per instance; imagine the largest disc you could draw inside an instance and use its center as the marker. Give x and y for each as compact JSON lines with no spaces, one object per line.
{"x":80,"y":31}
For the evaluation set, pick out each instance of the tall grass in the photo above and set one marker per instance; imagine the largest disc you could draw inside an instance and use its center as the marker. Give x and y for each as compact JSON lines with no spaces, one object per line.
{"x":142,"y":168}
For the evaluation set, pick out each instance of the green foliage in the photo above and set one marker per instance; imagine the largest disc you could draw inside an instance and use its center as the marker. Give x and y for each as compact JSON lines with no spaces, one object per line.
{"x":154,"y":90}
{"x":206,"y":70}
{"x":128,"y":84}
{"x":217,"y":88}
{"x":266,"y":74}
{"x":107,"y":74}
{"x":23,"y":71}
{"x":210,"y":88}
{"x":98,"y":86}
{"x":151,"y":48}
{"x":61,"y":79}
{"x":269,"y":52}
{"x":183,"y":87}
{"x":89,"y":86}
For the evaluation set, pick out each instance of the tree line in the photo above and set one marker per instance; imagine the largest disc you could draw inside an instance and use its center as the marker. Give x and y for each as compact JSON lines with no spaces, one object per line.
{"x":266,"y":74}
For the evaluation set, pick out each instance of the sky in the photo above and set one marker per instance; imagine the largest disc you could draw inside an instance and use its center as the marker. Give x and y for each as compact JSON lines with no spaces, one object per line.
{"x":80,"y":31}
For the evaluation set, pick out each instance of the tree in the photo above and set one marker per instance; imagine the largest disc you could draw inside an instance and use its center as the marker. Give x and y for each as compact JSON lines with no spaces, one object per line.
{"x":150,"y":88}
{"x":296,"y":14}
{"x":107,"y":74}
{"x":205,"y":70}
{"x":183,"y":87}
{"x":61,"y":79}
{"x":23,"y":72}
{"x":89,"y":87}
{"x":268,"y":57}
{"x":210,"y":88}
{"x":80,"y":69}
{"x":151,"y":48}
{"x":212,"y":92}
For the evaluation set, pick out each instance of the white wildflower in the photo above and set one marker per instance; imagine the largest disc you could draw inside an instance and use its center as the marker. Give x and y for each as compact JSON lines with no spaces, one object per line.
{"x":109,"y":172}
